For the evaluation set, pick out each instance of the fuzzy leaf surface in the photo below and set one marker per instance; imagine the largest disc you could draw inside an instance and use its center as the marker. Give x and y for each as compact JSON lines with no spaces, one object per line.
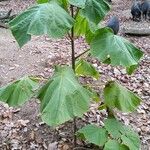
{"x":94,"y":134}
{"x":18,"y":92}
{"x":63,"y":98}
{"x":115,"y":95}
{"x":46,"y":18}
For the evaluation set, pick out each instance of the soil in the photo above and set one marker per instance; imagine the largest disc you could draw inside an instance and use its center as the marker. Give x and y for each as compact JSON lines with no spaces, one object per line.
{"x":22,"y":128}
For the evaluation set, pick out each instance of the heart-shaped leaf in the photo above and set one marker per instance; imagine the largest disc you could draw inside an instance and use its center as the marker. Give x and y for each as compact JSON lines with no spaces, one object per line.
{"x":95,"y":10}
{"x":119,"y":50}
{"x":46,"y":18}
{"x":118,"y":96}
{"x":63,"y":98}
{"x":18,"y":92}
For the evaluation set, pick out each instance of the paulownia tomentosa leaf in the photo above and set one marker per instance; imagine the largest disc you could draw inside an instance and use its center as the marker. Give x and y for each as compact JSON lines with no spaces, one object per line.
{"x":94,"y":134}
{"x":18,"y":92}
{"x":63,"y":98}
{"x":115,"y":145}
{"x":119,"y":131}
{"x":47,"y":18}
{"x":86,"y":69}
{"x":105,"y":45}
{"x":88,"y":29}
{"x":118,"y":96}
{"x":95,"y":10}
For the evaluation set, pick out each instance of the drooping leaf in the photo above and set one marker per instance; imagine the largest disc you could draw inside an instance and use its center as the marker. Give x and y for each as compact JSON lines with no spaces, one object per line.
{"x":118,"y":96}
{"x":86,"y":25}
{"x":84,"y":68}
{"x":115,"y":145}
{"x":18,"y":92}
{"x":95,"y":10}
{"x":132,"y":140}
{"x":94,"y":134}
{"x":78,"y":3}
{"x":77,"y":26}
{"x":46,"y":18}
{"x":117,"y":130}
{"x":63,"y":98}
{"x":114,"y":127}
{"x":119,"y":51}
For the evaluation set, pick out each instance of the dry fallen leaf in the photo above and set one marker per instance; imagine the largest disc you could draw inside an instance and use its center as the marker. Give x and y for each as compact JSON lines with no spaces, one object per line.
{"x":53,"y":146}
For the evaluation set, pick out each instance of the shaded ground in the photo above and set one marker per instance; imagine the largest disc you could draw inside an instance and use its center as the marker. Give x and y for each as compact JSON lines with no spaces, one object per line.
{"x":22,"y":129}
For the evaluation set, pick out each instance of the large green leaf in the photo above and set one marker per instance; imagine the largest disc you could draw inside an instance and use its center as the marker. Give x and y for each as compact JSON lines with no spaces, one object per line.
{"x":95,"y":10}
{"x":88,"y":28}
{"x":46,"y":18}
{"x":19,"y":91}
{"x":118,"y":96}
{"x":63,"y":98}
{"x":84,"y":68}
{"x":120,"y":51}
{"x":78,"y":3}
{"x":94,"y":134}
{"x":114,"y":127}
{"x":132,"y":140}
{"x":86,"y":25}
{"x":114,"y":145}
{"x":117,"y":130}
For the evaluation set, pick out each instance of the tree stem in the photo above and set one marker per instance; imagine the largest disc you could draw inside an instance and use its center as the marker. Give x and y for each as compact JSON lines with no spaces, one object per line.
{"x":82,"y":54}
{"x":73,"y":67}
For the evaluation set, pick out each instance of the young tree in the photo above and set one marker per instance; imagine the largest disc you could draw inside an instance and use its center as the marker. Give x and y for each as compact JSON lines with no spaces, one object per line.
{"x":62,"y":97}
